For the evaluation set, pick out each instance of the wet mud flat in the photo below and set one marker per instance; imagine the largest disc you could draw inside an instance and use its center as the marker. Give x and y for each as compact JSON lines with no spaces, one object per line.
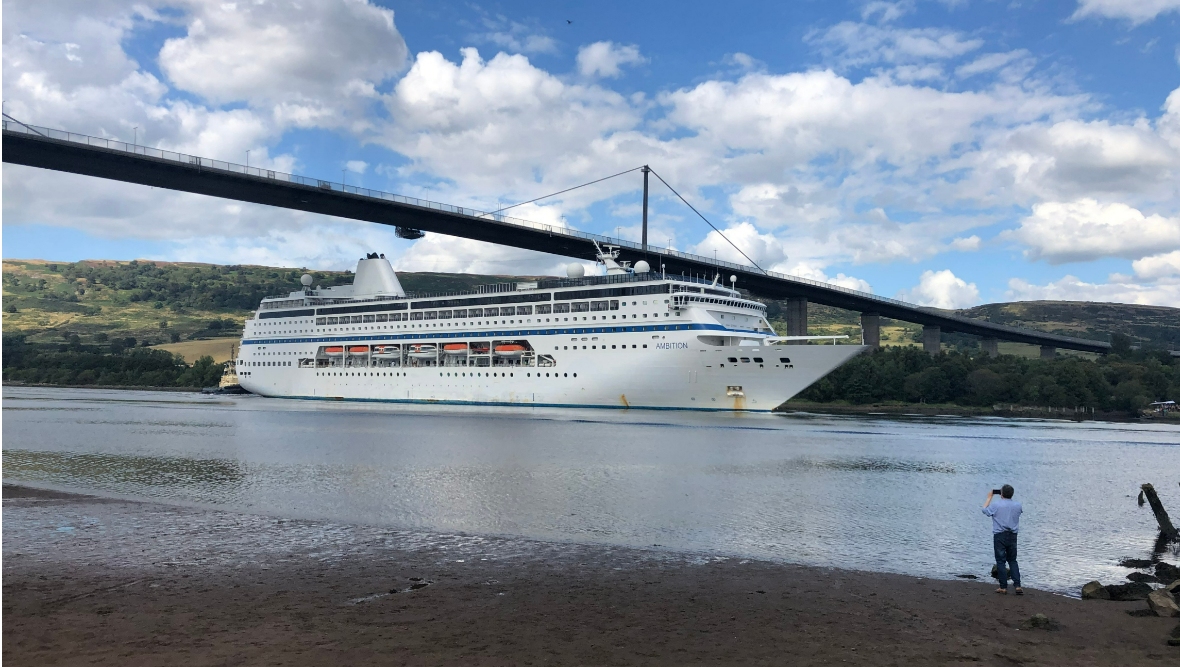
{"x":100,"y":581}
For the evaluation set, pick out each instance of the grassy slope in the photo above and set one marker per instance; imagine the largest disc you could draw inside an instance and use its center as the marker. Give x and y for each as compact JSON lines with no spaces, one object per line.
{"x":154,"y":300}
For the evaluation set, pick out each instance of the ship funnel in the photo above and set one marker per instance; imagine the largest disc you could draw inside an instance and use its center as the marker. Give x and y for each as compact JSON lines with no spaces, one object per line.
{"x":375,"y":276}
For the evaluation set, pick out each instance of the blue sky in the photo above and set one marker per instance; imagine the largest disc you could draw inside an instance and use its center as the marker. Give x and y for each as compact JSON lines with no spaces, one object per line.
{"x":948,"y":153}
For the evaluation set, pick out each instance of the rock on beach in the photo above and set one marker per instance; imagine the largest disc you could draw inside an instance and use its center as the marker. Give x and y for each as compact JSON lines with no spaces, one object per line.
{"x":1163,"y":603}
{"x":1135,"y":590}
{"x":1095,"y":591}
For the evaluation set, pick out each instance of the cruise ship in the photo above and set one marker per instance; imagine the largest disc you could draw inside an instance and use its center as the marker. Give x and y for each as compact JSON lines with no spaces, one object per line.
{"x":632,"y":338}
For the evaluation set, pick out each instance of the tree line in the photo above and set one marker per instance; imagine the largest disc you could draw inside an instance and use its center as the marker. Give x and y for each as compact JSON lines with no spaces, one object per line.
{"x":1124,"y":380}
{"x":120,"y":363}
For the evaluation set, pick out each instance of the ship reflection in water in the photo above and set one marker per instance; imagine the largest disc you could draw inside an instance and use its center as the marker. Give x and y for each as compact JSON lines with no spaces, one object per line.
{"x":894,"y":495}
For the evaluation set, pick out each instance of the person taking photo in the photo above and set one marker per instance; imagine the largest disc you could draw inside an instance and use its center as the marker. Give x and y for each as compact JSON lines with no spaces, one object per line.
{"x":1005,"y":514}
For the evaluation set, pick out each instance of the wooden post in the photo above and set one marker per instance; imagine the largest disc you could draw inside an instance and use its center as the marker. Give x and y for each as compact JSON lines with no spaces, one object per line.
{"x":1161,"y":516}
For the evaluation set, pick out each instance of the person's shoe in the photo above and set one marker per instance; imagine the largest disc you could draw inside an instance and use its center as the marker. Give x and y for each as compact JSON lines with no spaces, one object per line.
{"x":1002,"y":591}
{"x":1019,"y":591}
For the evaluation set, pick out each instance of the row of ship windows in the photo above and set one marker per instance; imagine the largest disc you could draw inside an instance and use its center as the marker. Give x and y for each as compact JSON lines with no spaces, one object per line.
{"x":356,"y":318}
{"x":504,"y":311}
{"x":557,"y":308}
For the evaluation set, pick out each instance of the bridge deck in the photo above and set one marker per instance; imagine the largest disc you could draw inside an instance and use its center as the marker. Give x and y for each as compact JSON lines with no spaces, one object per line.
{"x":116,"y":160}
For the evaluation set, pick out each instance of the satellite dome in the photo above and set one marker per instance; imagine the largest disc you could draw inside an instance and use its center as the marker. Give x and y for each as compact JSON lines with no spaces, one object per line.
{"x":733,"y":279}
{"x":575,"y":270}
{"x":642,"y":267}
{"x":306,"y":280}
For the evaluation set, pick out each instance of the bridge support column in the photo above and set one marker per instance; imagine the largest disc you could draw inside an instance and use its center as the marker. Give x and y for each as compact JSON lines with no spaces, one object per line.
{"x":932,"y":340}
{"x":1048,"y":352}
{"x":991,"y":346}
{"x":870,"y":329}
{"x":797,"y":318}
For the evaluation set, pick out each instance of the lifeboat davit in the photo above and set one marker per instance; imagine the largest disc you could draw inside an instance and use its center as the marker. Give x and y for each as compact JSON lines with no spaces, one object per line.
{"x":422,"y":351}
{"x":510,"y":350}
{"x":333,"y":351}
{"x":358,"y":349}
{"x":455,"y":348}
{"x":385,"y":351}
{"x":479,"y":348}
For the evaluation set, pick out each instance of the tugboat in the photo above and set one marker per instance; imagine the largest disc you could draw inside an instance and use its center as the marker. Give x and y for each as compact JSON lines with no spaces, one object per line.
{"x":229,"y":378}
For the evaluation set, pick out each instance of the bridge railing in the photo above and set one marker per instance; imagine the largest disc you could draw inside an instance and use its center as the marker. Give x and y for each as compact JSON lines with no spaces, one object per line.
{"x":270,"y":174}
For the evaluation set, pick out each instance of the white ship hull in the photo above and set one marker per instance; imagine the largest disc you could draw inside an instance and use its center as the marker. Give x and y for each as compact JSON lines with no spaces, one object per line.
{"x":633,"y":341}
{"x":680,"y":374}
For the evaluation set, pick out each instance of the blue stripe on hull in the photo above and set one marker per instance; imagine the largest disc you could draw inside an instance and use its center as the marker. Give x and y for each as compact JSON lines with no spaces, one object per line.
{"x":501,"y":404}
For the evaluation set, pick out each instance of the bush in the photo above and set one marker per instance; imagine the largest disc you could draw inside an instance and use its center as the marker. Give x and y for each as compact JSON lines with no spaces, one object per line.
{"x":87,"y":364}
{"x":1127,"y":381}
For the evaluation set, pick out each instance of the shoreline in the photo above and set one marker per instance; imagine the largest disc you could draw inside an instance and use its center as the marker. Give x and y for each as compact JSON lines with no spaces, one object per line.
{"x":107,"y":581}
{"x":792,"y":406}
{"x":953,"y":410}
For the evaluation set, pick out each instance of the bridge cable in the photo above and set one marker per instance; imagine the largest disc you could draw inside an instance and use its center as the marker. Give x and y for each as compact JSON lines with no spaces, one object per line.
{"x":27,"y":127}
{"x":566,"y":190}
{"x":694,"y":210}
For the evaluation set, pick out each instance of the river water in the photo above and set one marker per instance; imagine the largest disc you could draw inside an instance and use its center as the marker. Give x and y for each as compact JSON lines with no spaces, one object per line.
{"x":883,"y":494}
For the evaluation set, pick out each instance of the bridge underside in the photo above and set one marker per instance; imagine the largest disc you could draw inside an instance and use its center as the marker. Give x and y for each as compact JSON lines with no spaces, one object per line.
{"x":35,"y":151}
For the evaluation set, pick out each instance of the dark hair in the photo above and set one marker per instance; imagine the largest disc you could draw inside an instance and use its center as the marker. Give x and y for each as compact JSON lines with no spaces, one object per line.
{"x":1007,"y":490}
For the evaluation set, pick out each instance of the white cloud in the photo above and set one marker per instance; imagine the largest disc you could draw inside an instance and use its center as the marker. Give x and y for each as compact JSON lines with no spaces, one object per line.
{"x":448,"y":254}
{"x":1165,"y":265}
{"x":812,"y":272}
{"x":1086,"y":229}
{"x":764,"y":249}
{"x":1073,"y":158}
{"x":1070,"y":288}
{"x":1135,"y":11}
{"x":604,"y":59}
{"x":990,"y":62}
{"x":261,"y":53}
{"x":505,"y":127}
{"x":357,"y":166}
{"x":966,"y":244}
{"x":941,"y":289}
{"x":774,"y":205}
{"x":886,"y":11}
{"x":851,"y":44}
{"x":515,"y":37}
{"x":113,"y":209}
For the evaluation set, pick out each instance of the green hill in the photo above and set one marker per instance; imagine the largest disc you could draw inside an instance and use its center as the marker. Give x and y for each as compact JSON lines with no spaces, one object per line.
{"x":162,"y":302}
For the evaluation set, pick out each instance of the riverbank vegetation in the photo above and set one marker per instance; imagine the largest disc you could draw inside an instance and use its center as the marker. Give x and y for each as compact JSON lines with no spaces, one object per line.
{"x":119,"y":363}
{"x":1124,"y":381}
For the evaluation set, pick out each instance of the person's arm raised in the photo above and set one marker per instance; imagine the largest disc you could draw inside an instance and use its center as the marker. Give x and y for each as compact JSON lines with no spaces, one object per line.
{"x":989,"y":499}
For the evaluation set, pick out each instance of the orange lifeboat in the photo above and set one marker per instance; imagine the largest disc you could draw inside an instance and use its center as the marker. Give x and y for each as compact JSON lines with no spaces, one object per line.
{"x":358,"y":349}
{"x":422,"y":351}
{"x":385,"y":351}
{"x":510,"y":350}
{"x":333,"y":351}
{"x":455,"y":348}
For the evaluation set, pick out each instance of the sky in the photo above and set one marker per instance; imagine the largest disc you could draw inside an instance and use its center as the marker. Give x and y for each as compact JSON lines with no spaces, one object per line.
{"x":945,"y":152}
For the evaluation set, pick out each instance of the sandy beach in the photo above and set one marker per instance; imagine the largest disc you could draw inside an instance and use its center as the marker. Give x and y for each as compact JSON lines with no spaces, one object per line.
{"x":114,"y":582}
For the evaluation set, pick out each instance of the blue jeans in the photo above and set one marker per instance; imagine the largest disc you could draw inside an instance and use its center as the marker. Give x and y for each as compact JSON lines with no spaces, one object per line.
{"x":1005,"y":544}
